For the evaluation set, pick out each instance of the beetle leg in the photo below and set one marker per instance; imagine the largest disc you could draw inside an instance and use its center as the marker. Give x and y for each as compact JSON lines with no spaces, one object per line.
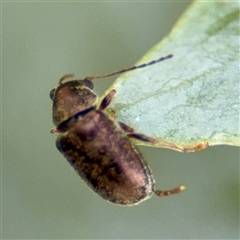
{"x":54,"y":130}
{"x":107,"y":100}
{"x":125,"y":127}
{"x":164,"y":193}
{"x":70,"y":75}
{"x":160,"y":143}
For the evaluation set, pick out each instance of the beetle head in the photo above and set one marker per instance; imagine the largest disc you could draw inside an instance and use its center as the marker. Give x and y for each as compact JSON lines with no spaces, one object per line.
{"x":70,"y":98}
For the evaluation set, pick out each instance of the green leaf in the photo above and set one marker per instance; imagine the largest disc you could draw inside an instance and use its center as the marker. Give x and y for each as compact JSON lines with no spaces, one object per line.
{"x":192,"y":99}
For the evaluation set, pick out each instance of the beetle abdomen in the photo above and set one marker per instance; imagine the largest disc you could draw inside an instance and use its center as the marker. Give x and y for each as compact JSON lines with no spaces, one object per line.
{"x":99,"y":150}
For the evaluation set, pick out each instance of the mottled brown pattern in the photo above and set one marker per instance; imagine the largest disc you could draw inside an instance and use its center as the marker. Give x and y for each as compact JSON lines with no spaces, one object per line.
{"x":104,"y":157}
{"x":70,"y":98}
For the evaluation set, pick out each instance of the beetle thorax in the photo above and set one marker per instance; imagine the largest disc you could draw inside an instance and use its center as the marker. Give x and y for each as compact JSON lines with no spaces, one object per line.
{"x":71,"y":98}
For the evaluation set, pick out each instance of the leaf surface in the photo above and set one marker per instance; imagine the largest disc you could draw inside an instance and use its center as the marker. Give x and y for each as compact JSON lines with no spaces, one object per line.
{"x":191,"y":100}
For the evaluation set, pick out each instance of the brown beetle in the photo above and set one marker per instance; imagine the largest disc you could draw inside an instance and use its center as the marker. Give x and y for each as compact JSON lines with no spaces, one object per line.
{"x":98,"y":147}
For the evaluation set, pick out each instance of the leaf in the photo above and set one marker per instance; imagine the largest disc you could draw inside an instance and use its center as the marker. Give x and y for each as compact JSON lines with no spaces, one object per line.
{"x":192,"y":99}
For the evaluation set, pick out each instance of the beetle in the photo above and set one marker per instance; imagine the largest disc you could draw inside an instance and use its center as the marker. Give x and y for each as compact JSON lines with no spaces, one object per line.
{"x":98,"y":147}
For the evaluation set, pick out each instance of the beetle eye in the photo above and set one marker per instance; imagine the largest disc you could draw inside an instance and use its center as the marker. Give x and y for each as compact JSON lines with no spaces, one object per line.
{"x":88,"y":83}
{"x":51,"y":94}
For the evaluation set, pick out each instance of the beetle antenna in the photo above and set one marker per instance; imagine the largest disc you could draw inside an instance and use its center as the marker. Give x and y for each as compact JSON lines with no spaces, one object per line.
{"x":132,"y":68}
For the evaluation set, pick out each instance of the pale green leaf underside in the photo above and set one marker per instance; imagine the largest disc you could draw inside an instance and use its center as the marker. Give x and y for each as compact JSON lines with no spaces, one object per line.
{"x":193,"y":97}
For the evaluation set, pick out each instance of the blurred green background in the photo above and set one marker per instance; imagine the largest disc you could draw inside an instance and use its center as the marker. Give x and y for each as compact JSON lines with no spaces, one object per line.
{"x":42,"y":197}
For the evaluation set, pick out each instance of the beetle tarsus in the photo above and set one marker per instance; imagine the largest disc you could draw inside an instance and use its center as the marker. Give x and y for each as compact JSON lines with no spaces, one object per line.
{"x":164,"y":193}
{"x":53,"y":130}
